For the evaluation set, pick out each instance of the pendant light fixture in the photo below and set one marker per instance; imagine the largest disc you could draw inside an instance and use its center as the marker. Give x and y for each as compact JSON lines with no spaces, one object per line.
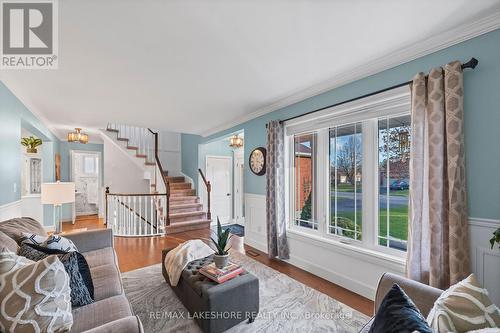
{"x":236,"y":141}
{"x":78,"y":136}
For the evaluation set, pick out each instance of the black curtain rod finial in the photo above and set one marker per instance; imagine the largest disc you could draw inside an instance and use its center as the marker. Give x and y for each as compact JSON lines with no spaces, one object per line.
{"x":472,"y":63}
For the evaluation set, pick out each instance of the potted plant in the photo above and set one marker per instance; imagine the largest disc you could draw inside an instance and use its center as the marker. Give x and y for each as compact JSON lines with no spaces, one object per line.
{"x":221,"y":256}
{"x":495,"y":238}
{"x":31,"y":143}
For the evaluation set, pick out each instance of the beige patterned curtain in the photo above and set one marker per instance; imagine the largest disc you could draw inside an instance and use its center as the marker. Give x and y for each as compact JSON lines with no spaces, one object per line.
{"x":277,"y":244}
{"x":438,"y":241}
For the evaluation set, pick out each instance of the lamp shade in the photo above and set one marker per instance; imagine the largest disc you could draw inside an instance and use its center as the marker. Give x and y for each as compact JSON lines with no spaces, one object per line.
{"x":58,"y":193}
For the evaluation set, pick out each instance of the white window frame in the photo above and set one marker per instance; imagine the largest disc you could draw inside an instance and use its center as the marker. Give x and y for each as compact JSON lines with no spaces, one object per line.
{"x":391,"y":103}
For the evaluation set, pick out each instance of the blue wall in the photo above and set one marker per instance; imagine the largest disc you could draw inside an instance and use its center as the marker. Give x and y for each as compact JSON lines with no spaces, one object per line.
{"x":482,"y":117}
{"x":14,"y":116}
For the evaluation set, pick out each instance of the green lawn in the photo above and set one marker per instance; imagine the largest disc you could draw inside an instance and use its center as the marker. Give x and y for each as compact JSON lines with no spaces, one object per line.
{"x":398,"y":223}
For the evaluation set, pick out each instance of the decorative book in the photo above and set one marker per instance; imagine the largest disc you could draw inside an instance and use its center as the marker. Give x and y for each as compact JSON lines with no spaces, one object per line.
{"x":221,"y":275}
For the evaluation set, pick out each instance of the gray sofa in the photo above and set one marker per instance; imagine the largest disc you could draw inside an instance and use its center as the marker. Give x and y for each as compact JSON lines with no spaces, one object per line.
{"x":111,"y":312}
{"x":422,"y":295}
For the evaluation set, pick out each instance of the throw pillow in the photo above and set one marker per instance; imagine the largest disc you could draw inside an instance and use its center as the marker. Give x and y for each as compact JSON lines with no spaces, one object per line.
{"x":83,"y":266}
{"x":80,"y":295}
{"x":7,"y":243}
{"x":52,"y":242}
{"x":34,"y":297}
{"x":60,"y":243}
{"x":464,"y":307}
{"x":398,"y":314}
{"x":15,"y":227}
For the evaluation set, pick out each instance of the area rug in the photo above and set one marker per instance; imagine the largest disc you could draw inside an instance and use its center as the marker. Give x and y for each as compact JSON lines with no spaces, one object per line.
{"x":236,"y":229}
{"x":286,"y":305}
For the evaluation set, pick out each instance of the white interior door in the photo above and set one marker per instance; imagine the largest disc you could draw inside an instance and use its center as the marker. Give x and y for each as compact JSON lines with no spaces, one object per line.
{"x":85,"y":174}
{"x":219,"y":173}
{"x":239,"y":167}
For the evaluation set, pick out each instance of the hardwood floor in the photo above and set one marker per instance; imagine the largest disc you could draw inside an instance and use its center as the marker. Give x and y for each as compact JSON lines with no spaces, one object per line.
{"x":134,"y":253}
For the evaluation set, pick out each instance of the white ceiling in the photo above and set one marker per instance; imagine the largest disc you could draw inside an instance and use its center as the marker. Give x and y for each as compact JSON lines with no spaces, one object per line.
{"x":192,"y":66}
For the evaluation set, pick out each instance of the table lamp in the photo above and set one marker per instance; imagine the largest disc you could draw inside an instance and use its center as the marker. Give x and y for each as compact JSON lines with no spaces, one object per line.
{"x":57,"y":194}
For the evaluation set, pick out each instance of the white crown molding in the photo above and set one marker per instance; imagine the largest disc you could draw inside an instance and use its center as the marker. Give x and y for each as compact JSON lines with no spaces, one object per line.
{"x":411,"y":52}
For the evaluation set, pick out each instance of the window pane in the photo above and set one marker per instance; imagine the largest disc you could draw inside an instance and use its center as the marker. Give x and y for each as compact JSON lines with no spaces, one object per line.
{"x":345,"y":181}
{"x":304,"y":160}
{"x":394,"y":137}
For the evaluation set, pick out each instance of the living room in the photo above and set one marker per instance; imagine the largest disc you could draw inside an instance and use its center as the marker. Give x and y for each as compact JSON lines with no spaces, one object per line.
{"x":249,"y":166}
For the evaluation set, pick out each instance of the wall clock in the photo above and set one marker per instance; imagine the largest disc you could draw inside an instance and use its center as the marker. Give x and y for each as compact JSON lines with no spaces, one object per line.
{"x":257,"y":161}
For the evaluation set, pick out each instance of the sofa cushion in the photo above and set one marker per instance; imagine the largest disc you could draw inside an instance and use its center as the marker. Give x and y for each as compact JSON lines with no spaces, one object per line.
{"x":80,"y":293}
{"x":14,"y":228}
{"x":106,"y":256}
{"x":130,"y":324}
{"x":7,"y":243}
{"x":107,"y":281}
{"x":34,"y":297}
{"x":100,"y":313}
{"x":398,"y":314}
{"x":464,"y":307}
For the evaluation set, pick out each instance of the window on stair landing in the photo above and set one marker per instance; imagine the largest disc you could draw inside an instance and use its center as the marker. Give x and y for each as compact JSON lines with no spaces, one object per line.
{"x":349,"y":173}
{"x":304,"y":163}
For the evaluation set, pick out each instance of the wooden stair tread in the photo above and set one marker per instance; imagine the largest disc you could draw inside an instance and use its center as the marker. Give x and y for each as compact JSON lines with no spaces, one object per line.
{"x":186,"y":205}
{"x":190,"y":222}
{"x":177,"y":179}
{"x":112,"y":130}
{"x":187,"y":214}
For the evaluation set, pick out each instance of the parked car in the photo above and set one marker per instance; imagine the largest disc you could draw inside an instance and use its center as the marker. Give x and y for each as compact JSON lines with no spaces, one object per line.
{"x":398,"y":185}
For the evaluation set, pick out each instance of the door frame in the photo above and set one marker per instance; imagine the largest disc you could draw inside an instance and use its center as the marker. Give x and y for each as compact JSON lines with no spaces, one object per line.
{"x":99,"y":178}
{"x":239,"y":156}
{"x":230,"y":158}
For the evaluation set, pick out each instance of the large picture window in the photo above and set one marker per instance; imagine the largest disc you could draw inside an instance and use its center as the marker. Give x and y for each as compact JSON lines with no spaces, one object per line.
{"x":350,"y":176}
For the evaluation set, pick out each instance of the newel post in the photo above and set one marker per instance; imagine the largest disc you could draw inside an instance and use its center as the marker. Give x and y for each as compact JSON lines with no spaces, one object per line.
{"x":209,"y":189}
{"x":106,"y":211}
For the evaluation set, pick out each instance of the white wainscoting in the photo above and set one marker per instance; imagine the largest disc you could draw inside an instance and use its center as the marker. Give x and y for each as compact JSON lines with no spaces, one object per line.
{"x":485,"y":262}
{"x":10,"y":210}
{"x":255,"y":221}
{"x":360,"y":272}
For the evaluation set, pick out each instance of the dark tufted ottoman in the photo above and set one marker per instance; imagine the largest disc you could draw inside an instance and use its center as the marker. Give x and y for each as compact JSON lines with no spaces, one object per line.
{"x":216,"y":307}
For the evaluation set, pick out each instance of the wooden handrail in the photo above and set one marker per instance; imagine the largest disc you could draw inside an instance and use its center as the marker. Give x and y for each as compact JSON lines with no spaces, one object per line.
{"x":137,"y":194}
{"x":209,"y":189}
{"x":163,"y":175}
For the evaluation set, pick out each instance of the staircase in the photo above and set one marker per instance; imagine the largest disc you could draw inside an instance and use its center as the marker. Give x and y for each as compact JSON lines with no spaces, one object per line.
{"x":186,"y":211}
{"x":173,"y":200}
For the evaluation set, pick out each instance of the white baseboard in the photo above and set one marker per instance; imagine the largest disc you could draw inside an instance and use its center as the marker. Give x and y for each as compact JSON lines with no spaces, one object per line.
{"x":255,"y":243}
{"x":10,"y":210}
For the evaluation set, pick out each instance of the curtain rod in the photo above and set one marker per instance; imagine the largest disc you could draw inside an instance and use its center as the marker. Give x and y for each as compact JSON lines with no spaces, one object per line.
{"x":472,"y":63}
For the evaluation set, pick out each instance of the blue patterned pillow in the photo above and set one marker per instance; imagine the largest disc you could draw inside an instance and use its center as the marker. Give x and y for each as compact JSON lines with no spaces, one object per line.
{"x":398,"y":314}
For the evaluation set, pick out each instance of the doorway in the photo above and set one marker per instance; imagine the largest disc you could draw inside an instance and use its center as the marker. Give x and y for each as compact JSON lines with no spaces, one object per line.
{"x":85,"y":173}
{"x":219,"y":172}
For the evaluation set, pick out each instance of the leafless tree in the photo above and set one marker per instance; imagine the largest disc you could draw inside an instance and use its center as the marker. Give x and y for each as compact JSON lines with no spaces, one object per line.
{"x":349,"y":158}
